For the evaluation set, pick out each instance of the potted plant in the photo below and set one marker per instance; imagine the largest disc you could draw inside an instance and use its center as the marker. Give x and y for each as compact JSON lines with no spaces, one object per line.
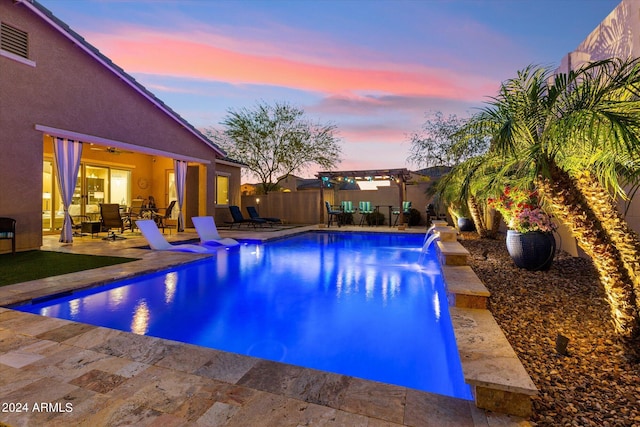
{"x":530,"y":240}
{"x":459,"y":212}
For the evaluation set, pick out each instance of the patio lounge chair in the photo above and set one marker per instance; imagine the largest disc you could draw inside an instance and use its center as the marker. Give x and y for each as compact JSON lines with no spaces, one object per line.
{"x":208,"y":232}
{"x":239,"y":219}
{"x":253,"y":214}
{"x":110,"y":218}
{"x":157,"y":242}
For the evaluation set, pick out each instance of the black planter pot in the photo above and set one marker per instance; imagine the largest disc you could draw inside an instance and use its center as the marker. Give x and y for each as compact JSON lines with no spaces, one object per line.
{"x":533,"y":251}
{"x":466,"y":224}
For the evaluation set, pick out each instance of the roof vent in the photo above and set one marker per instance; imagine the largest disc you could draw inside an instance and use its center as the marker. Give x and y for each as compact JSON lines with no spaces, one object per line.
{"x":14,"y":40}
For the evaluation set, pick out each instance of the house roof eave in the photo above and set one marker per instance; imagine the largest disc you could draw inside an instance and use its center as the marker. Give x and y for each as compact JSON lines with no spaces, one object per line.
{"x":46,"y":15}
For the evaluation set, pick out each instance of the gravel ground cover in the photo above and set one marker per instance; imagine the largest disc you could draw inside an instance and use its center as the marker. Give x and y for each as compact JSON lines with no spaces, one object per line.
{"x":597,"y":383}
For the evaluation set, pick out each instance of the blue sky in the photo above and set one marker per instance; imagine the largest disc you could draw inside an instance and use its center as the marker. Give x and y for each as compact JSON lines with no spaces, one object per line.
{"x":372,"y":67}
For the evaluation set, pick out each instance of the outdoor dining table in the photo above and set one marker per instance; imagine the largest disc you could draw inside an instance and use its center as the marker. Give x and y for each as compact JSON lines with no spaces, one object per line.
{"x":378,"y":210}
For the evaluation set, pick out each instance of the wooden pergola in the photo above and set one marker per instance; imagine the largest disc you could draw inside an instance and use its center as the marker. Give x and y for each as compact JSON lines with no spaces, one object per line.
{"x":399,"y":176}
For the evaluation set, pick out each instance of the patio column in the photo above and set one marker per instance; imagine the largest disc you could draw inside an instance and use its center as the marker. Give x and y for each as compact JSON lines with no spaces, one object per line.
{"x":180,"y":168}
{"x":322,"y":207}
{"x":67,"y":154}
{"x":402,"y":190}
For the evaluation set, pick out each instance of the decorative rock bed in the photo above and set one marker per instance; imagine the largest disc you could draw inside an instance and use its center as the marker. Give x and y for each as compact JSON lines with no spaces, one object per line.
{"x":598,"y":382}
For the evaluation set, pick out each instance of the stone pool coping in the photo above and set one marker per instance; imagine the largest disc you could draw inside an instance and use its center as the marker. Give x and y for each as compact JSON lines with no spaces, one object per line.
{"x":489,"y":364}
{"x":337,"y":395}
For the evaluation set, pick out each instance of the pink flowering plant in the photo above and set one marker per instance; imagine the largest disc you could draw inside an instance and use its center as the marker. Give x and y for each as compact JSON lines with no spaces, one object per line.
{"x":521,"y":211}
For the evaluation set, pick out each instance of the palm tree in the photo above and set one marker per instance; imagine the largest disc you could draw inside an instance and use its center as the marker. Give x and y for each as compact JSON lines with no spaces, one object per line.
{"x":440,"y":142}
{"x":553,"y":131}
{"x":605,"y":208}
{"x":466,"y":185}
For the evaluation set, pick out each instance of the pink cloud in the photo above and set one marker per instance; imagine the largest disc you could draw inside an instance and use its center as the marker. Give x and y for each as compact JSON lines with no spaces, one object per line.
{"x":411,"y":105}
{"x":369,"y":133}
{"x":377,"y":156}
{"x":191,"y":56}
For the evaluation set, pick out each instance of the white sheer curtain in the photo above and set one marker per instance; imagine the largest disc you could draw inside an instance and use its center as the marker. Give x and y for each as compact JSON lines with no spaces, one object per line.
{"x":180,"y":168}
{"x":67,"y":154}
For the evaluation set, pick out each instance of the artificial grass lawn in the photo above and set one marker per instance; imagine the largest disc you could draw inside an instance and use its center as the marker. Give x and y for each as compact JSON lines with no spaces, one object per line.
{"x":32,"y":265}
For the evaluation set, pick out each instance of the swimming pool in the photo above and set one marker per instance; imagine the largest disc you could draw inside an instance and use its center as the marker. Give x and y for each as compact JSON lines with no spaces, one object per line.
{"x":357,"y":304}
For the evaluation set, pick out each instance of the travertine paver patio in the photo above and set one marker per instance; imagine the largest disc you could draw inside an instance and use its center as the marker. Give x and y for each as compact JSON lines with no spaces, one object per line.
{"x":59,"y":372}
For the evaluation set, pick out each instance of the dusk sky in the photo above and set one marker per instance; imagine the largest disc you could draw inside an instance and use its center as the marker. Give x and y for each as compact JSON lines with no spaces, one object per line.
{"x":372,"y":67}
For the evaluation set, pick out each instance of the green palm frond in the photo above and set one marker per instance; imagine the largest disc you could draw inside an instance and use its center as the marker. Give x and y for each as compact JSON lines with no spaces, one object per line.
{"x":570,"y":119}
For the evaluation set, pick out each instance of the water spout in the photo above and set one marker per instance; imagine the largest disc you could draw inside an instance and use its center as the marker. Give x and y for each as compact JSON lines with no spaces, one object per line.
{"x":427,"y":243}
{"x":428,"y":240}
{"x":428,"y":233}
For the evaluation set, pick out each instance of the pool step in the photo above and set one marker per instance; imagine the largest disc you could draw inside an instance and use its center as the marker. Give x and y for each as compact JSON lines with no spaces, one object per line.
{"x":464,"y":288}
{"x":452,"y":253}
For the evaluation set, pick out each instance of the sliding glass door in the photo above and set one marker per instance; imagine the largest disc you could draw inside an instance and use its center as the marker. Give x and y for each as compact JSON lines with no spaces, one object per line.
{"x":95,"y":185}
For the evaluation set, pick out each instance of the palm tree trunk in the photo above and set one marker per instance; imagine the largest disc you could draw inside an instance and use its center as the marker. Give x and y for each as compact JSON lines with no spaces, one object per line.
{"x":569,"y":205}
{"x":454,"y":216}
{"x":623,"y":237}
{"x":495,"y":224}
{"x":477,"y":216}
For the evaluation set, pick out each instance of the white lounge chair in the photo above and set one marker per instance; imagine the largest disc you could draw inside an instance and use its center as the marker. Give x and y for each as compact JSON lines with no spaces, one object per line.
{"x":208,"y":232}
{"x":156,"y":240}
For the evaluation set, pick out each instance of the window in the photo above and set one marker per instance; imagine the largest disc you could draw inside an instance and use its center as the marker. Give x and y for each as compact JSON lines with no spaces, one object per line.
{"x":14,"y":41}
{"x":120,"y":187}
{"x":222,"y":189}
{"x":172,"y":192}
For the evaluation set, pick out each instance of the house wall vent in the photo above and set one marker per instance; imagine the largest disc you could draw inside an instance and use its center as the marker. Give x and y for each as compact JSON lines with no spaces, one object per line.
{"x":14,"y":40}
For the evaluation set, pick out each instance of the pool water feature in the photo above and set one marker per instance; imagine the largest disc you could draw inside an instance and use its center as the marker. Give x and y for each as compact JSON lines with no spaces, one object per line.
{"x":357,"y":304}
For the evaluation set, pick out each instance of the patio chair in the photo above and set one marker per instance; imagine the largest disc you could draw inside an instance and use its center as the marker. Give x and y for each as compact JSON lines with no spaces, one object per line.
{"x":334,"y":215}
{"x":134,"y":212}
{"x":347,"y":211}
{"x":8,"y":231}
{"x":76,"y":224}
{"x":365,"y":209}
{"x":110,"y":219}
{"x":157,"y":242}
{"x":239,"y":219}
{"x":253,"y":214}
{"x":208,"y":232}
{"x":406,"y":207}
{"x":161,"y":218}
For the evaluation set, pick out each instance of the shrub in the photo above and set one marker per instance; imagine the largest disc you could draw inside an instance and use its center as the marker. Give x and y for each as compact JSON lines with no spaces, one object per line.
{"x":375,"y":218}
{"x":414,"y":217}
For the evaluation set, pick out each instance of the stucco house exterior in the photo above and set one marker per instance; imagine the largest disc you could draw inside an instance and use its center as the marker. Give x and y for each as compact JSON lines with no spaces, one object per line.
{"x":55,"y":87}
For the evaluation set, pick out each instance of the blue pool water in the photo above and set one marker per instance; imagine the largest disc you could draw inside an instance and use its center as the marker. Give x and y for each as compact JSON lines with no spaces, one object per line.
{"x":357,"y":304}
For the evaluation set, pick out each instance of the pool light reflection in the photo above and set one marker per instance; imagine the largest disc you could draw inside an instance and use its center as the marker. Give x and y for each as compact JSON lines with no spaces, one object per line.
{"x":74,"y":307}
{"x":170,"y":282}
{"x":140,"y":322}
